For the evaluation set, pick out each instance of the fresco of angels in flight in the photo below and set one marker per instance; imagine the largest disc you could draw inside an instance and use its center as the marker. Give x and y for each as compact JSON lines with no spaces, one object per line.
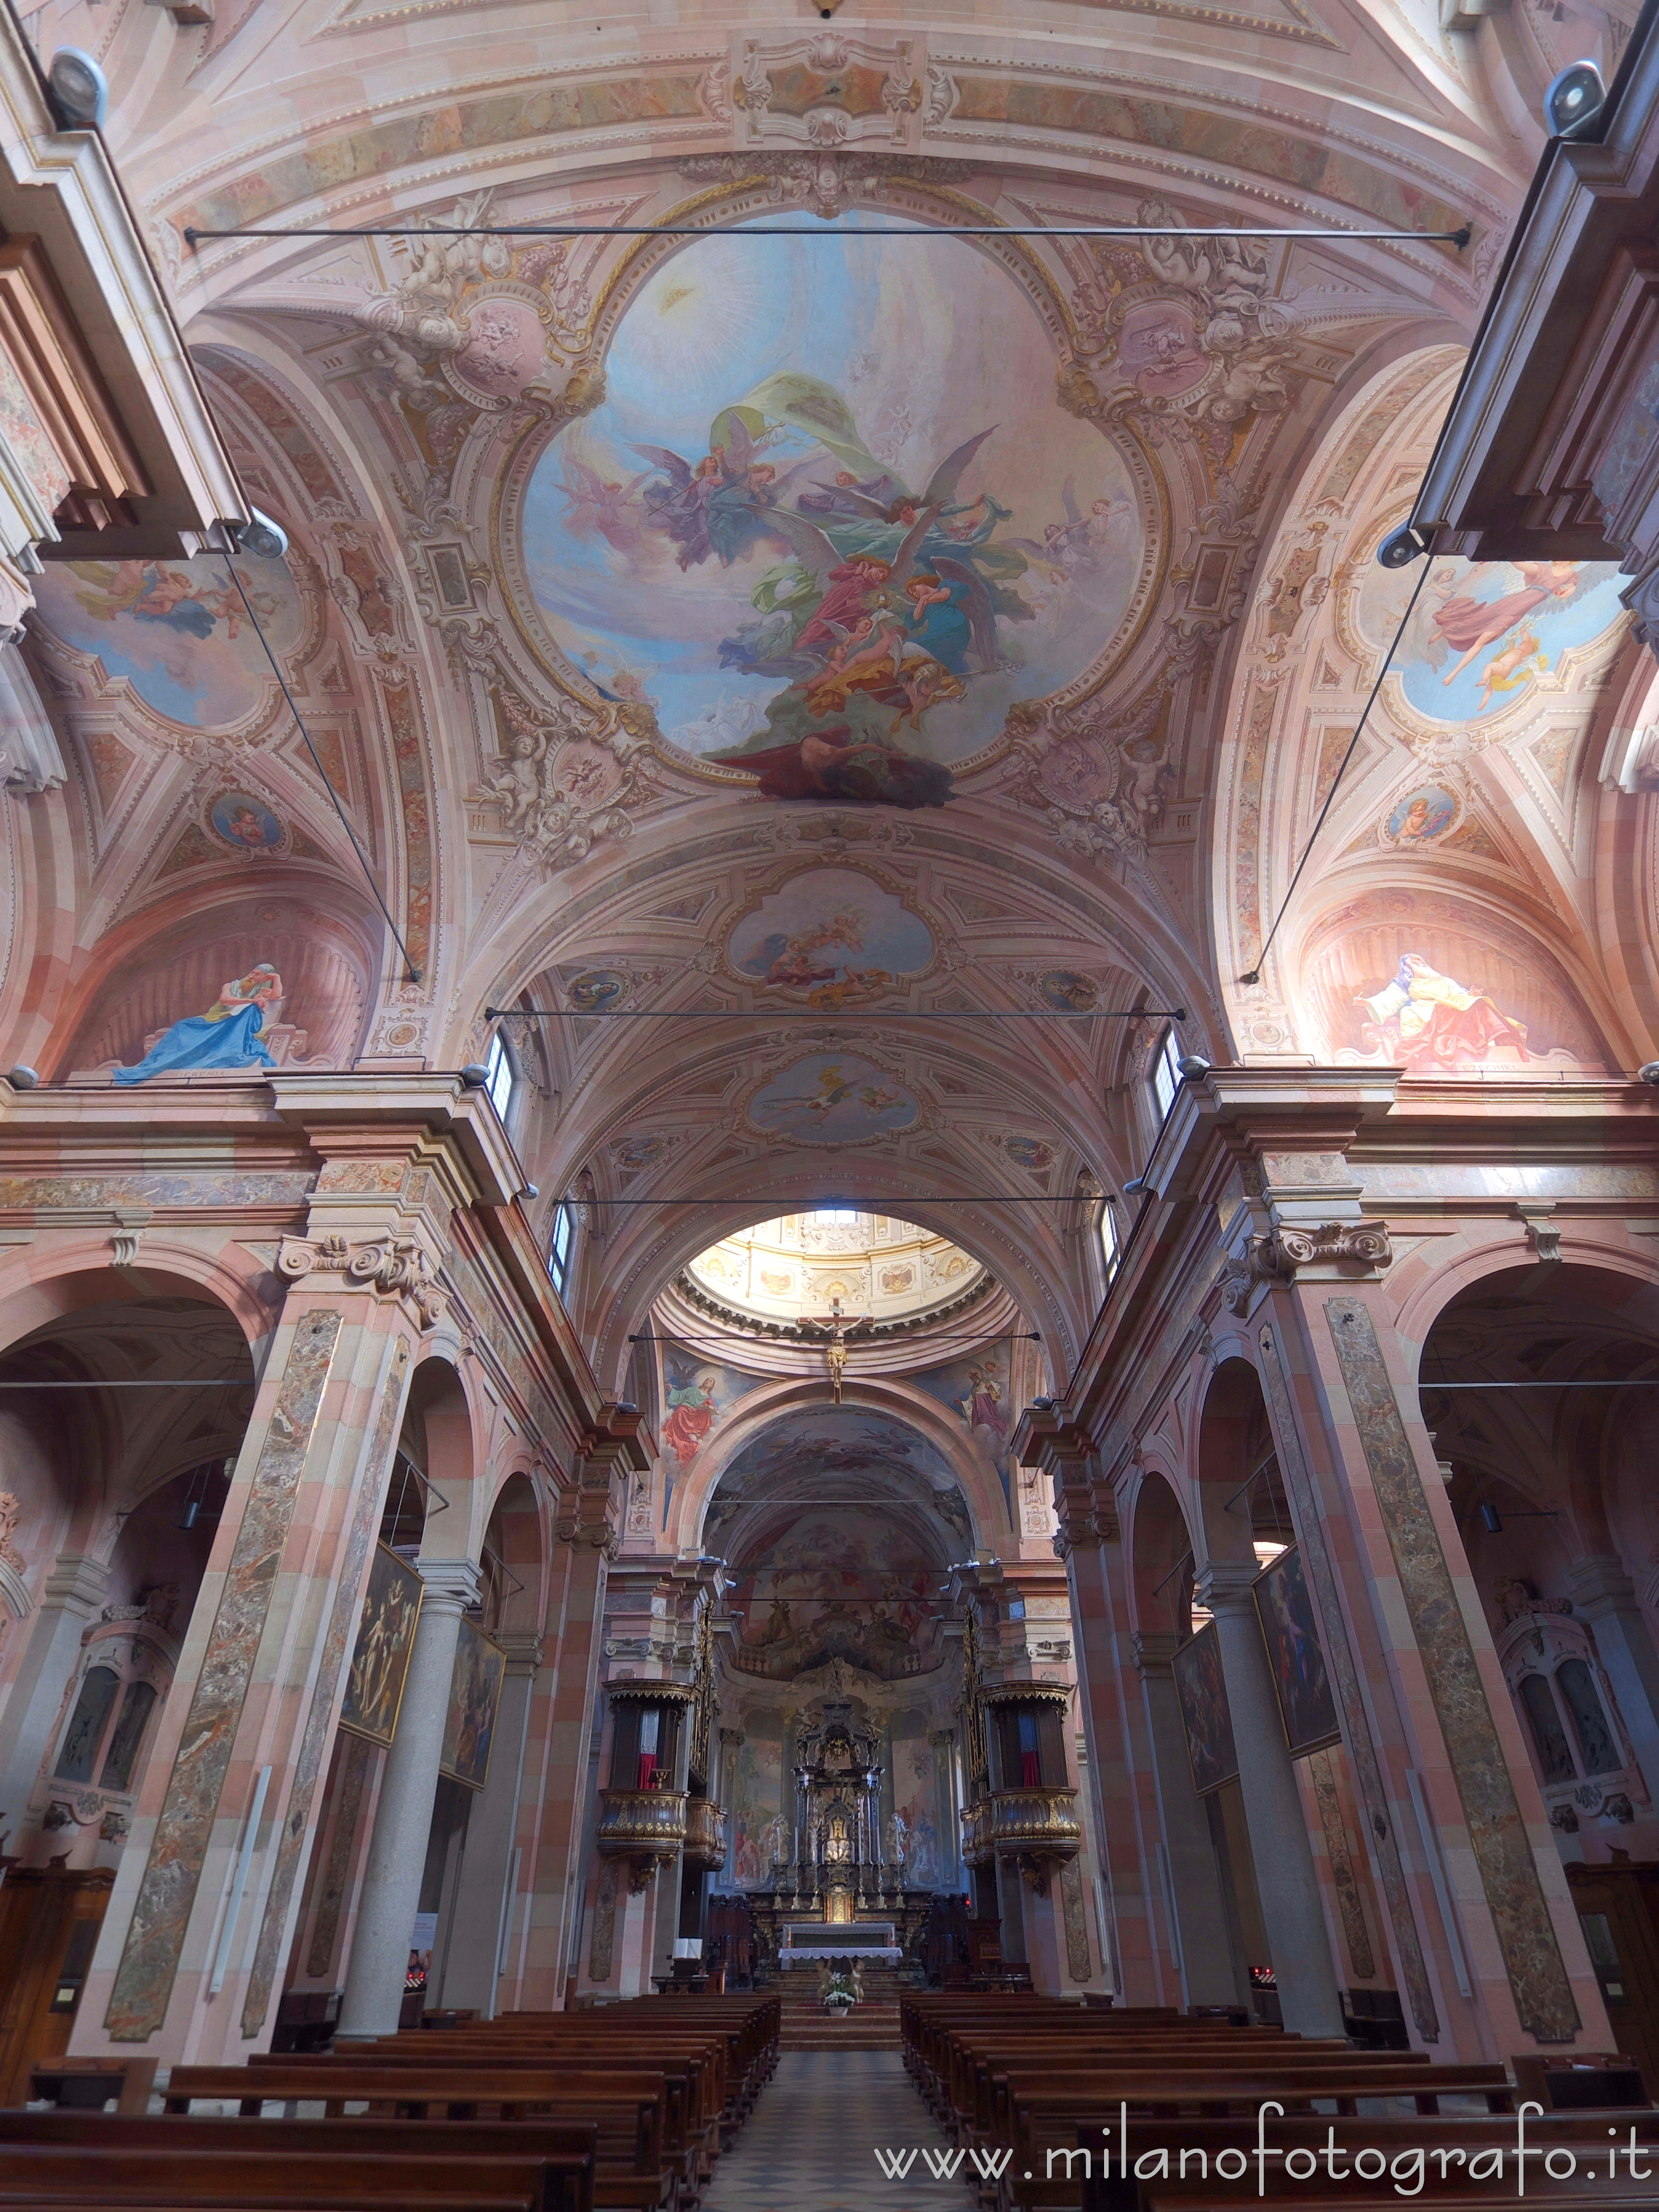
{"x":829,"y":522}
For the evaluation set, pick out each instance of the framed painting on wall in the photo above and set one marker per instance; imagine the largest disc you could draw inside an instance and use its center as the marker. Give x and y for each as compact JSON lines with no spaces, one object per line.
{"x":1305,"y":1703}
{"x":475,"y":1691}
{"x":385,"y":1637}
{"x":1201,"y":1690}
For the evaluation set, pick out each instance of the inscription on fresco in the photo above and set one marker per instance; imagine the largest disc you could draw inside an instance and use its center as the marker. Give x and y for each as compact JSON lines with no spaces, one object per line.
{"x":144,"y":1981}
{"x":348,"y":1597}
{"x":1508,"y":1872}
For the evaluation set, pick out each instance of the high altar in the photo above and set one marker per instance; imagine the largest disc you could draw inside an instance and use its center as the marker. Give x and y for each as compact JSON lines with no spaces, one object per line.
{"x":842,"y":1871}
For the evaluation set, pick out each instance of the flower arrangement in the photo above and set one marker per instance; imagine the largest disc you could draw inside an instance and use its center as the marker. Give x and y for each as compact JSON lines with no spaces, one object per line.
{"x":840,"y":1993}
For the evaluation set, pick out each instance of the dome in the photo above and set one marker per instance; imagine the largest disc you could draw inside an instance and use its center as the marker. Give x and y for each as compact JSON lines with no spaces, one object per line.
{"x":781,"y":1271}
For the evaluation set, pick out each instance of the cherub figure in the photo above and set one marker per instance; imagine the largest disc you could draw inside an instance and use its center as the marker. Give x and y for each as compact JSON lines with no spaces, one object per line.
{"x":518,"y":789}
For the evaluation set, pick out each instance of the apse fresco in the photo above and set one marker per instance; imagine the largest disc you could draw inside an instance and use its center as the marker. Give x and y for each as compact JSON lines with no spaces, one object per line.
{"x":832,"y":939}
{"x":176,"y":629}
{"x":853,"y":1586}
{"x":849,"y":1448}
{"x":829,"y":522}
{"x":834,"y":1098}
{"x":1485,"y":635}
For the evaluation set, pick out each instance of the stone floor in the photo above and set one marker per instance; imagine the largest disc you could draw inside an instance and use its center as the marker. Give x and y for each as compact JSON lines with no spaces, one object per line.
{"x":810,"y":2144}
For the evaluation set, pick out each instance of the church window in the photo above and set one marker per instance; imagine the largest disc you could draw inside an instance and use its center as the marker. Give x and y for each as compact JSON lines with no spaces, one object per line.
{"x":1590,"y":1721}
{"x":1111,"y":1242}
{"x":499,"y":1077}
{"x":835,"y":1213}
{"x":1547,"y":1733}
{"x":559,"y":1249}
{"x":1166,"y":1076}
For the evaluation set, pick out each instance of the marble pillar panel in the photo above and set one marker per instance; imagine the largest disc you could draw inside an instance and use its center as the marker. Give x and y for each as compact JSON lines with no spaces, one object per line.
{"x":319,"y":1721}
{"x":354,"y":1758}
{"x":1080,"y":1965}
{"x":1497,"y":1835}
{"x":1356,"y":1937}
{"x":156,"y":1935}
{"x":1344,"y":1675}
{"x":605,"y":1924}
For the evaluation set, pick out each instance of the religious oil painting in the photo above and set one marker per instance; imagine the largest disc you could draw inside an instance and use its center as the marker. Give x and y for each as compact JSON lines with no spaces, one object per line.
{"x":385,"y":1637}
{"x":245,"y":822}
{"x":1486,"y":635}
{"x":831,"y":938}
{"x":178,"y":630}
{"x":475,"y":1692}
{"x":1305,"y":1703}
{"x":759,"y":1836}
{"x":1206,"y":1719}
{"x":834,"y":1098}
{"x":829,"y":523}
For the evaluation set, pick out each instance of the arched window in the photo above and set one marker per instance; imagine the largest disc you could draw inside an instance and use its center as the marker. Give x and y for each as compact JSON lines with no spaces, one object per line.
{"x":1166,"y":1076}
{"x":560,"y":1247}
{"x":501,"y":1076}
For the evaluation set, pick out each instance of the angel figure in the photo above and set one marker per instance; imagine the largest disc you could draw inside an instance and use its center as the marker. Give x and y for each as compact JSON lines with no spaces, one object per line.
{"x":518,"y":789}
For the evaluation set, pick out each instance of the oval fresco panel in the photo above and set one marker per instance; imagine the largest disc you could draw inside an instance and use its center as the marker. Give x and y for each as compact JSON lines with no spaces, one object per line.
{"x":833,"y":937}
{"x":833,"y":1098}
{"x":1484,"y":632}
{"x":177,"y":629}
{"x":830,"y":521}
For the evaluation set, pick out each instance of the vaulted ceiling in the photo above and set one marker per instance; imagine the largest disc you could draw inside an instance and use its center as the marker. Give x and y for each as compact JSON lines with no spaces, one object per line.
{"x":576,"y":621}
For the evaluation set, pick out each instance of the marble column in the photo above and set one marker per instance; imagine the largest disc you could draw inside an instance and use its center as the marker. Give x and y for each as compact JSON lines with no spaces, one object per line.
{"x":391,"y":1893}
{"x":1604,"y":1595}
{"x":483,"y":1900}
{"x":1192,"y":1888}
{"x":69,"y":1601}
{"x":1286,"y":1878}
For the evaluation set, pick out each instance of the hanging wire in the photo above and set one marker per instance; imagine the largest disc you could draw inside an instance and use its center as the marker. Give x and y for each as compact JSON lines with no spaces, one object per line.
{"x":193,"y":235}
{"x":1253,"y":974}
{"x":414,"y":973}
{"x":833,"y":1017}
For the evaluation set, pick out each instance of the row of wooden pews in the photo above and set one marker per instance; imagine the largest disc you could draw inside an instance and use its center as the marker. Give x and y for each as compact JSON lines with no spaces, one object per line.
{"x":1055,"y":2108}
{"x":623,"y":2109}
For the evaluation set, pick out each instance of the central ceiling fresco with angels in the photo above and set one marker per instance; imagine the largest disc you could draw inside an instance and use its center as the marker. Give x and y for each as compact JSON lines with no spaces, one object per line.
{"x":829,"y":523}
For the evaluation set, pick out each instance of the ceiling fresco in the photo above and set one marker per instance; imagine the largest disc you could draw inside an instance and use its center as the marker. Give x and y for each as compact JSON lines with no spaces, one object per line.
{"x":860,"y":629}
{"x":176,"y":629}
{"x":830,"y":523}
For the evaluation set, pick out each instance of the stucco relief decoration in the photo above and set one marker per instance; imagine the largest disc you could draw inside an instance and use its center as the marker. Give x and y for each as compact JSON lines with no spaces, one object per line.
{"x":10,"y":1514}
{"x":1191,"y":323}
{"x":475,"y":321}
{"x":827,"y":90}
{"x":798,"y":541}
{"x":563,"y":780}
{"x":393,"y":1267}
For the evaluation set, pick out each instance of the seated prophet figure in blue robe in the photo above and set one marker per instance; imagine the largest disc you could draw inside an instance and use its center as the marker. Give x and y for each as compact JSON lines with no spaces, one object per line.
{"x":226,"y":1036}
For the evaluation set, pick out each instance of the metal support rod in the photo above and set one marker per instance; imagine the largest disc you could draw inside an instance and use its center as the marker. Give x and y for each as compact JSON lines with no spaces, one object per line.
{"x":122,"y":1382}
{"x":810,"y":1014}
{"x":1613,"y":1383}
{"x":193,"y":235}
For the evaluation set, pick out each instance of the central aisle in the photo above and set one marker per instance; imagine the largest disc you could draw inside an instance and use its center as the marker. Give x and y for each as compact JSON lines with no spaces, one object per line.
{"x":810,"y":2144}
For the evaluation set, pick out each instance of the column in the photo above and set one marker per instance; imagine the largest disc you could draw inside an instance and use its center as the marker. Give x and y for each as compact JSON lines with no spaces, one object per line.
{"x":1192,"y":1886}
{"x":484,"y":1900}
{"x":731,"y":1742}
{"x":1090,"y":1542}
{"x":1604,"y":1595}
{"x":589,"y":1527}
{"x":390,"y":1892}
{"x":70,"y":1597}
{"x":1286,"y":1879}
{"x":946,"y":1825}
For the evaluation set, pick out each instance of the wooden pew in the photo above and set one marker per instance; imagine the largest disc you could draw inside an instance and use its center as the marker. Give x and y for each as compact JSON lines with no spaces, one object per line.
{"x":46,"y":2174}
{"x":564,"y":2149}
{"x":634,"y":2169}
